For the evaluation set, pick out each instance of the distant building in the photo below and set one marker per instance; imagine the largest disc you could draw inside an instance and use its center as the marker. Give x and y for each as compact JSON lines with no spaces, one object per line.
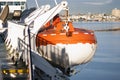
{"x":116,"y":12}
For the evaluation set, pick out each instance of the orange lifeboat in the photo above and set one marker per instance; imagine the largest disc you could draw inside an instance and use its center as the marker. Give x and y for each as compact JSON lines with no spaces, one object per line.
{"x":66,"y":46}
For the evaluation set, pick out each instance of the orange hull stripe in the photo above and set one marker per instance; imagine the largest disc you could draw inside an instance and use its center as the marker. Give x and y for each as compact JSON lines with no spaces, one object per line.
{"x":44,"y":39}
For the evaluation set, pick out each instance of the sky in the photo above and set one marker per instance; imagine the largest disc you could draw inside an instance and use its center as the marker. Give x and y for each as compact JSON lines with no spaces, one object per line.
{"x":83,"y":6}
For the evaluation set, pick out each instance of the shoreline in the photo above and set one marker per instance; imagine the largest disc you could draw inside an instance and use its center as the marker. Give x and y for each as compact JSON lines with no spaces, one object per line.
{"x":116,"y":29}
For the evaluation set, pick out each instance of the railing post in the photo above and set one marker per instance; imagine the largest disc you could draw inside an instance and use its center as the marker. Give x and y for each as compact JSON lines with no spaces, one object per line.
{"x":30,"y":57}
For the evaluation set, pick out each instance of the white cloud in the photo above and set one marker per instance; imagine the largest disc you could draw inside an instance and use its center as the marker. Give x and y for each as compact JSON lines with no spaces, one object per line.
{"x":98,"y":3}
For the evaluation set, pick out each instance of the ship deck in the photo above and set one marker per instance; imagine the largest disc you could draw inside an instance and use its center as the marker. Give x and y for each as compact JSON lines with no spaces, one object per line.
{"x":8,"y":70}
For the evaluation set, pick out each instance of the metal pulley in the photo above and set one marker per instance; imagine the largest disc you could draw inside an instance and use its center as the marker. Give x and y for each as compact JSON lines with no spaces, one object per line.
{"x":66,"y":27}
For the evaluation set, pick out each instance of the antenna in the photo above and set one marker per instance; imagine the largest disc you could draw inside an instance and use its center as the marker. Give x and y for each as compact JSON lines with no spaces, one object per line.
{"x":37,"y":3}
{"x":55,"y":2}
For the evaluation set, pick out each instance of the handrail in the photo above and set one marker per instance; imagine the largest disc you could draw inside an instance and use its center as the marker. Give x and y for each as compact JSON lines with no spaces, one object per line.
{"x":26,"y":51}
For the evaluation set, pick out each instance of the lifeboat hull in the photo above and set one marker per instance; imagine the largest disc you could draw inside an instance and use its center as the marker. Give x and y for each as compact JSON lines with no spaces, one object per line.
{"x":67,"y":51}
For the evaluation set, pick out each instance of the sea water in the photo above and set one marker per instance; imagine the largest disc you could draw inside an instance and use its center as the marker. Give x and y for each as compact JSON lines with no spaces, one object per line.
{"x":105,"y":65}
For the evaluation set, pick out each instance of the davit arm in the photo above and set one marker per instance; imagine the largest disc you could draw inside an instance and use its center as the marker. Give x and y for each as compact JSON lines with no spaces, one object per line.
{"x":44,"y":18}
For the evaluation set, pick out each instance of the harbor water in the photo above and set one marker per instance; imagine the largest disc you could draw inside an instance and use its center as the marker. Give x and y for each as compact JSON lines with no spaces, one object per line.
{"x":105,"y":65}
